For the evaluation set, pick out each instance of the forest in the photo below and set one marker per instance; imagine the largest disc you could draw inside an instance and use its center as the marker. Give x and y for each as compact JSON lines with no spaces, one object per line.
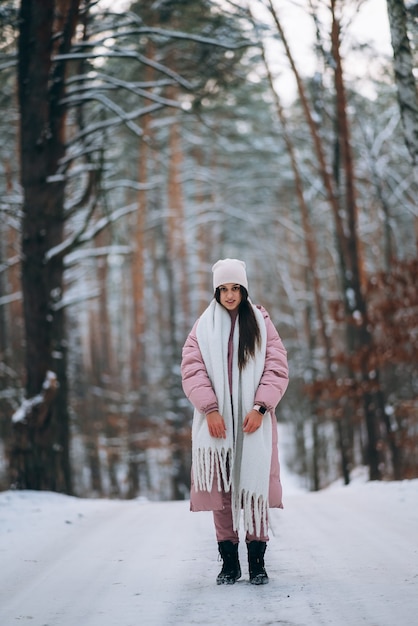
{"x":142,"y":141}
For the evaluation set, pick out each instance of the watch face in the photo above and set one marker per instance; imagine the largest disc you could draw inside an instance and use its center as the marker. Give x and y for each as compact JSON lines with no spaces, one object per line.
{"x":262,"y":410}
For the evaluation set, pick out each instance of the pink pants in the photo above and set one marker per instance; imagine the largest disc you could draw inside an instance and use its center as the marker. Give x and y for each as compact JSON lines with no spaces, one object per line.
{"x":224,"y":525}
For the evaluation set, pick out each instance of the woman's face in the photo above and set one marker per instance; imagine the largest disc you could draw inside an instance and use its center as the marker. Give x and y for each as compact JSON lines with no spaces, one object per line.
{"x":230,"y":296}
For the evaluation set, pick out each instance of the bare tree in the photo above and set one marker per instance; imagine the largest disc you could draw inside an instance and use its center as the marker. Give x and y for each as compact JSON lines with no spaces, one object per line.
{"x":40,"y":457}
{"x":57,"y":80}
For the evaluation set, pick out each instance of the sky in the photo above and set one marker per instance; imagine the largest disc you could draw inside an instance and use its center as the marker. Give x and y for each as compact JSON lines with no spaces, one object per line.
{"x":365,"y":41}
{"x":368,"y":27}
{"x":372,"y":13}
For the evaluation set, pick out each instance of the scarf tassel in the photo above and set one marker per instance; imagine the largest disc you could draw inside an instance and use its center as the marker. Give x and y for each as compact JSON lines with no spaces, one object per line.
{"x":254,"y":512}
{"x":208,"y":463}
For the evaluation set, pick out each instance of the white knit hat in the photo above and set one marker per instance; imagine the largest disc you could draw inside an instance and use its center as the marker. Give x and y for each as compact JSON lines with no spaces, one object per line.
{"x":229,"y":271}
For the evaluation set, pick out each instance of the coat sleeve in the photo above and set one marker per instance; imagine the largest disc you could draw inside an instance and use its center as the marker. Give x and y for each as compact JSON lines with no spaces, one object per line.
{"x":196,"y":383}
{"x":275,"y":378}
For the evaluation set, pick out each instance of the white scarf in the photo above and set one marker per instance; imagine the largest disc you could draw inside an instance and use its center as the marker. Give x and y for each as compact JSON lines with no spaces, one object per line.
{"x":242,"y":461}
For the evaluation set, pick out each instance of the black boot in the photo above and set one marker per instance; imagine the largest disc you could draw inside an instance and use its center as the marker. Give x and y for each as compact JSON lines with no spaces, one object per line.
{"x":231,"y":569}
{"x":256,"y":550}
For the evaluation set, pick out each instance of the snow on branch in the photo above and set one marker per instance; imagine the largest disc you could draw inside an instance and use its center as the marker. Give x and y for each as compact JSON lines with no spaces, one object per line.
{"x":171,"y":34}
{"x":87,"y":234}
{"x":14,"y":260}
{"x":38,"y":406}
{"x":11,"y":297}
{"x":127,"y":54}
{"x":102,"y":223}
{"x":131,"y":184}
{"x":108,"y":103}
{"x":124,"y":117}
{"x":73,"y":156}
{"x":8,"y":64}
{"x":92,"y":76}
{"x":114,"y":121}
{"x":70,"y":300}
{"x":80,"y":255}
{"x":74,"y":95}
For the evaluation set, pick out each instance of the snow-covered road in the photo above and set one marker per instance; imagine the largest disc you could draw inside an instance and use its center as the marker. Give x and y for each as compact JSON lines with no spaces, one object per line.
{"x":341,"y":557}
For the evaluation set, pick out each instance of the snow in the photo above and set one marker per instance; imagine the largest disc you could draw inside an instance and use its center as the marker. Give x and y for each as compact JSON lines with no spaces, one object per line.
{"x":25,"y":408}
{"x":11,"y":297}
{"x":27,"y":404}
{"x":341,"y":557}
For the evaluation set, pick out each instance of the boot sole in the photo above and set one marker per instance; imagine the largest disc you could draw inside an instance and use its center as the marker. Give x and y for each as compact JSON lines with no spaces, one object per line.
{"x":227,"y":581}
{"x":259,"y":580}
{"x":230,"y":581}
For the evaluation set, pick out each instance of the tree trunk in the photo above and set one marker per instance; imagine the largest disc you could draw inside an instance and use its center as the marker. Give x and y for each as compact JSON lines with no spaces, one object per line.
{"x":403,"y":64}
{"x":40,"y":454}
{"x":138,"y":369}
{"x":312,"y":280}
{"x":176,"y":222}
{"x":361,"y":339}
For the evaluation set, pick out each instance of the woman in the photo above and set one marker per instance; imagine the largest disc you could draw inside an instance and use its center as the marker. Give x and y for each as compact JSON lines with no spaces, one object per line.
{"x":234,"y":372}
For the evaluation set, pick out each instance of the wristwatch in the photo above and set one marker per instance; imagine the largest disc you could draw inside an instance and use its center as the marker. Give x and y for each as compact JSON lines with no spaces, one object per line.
{"x":260,"y":409}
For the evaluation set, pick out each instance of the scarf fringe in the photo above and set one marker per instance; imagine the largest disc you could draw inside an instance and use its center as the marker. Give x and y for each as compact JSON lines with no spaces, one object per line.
{"x":254,"y":509}
{"x":209,"y":463}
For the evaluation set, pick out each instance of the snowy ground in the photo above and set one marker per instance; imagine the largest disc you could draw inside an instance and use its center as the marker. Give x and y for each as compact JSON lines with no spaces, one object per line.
{"x":341,"y":557}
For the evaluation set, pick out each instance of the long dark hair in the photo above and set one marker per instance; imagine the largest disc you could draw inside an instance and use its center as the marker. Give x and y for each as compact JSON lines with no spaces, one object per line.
{"x":249,"y":332}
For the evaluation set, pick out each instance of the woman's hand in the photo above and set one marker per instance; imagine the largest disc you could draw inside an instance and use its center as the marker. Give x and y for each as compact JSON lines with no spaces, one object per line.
{"x":252,"y":421}
{"x":216,"y":425}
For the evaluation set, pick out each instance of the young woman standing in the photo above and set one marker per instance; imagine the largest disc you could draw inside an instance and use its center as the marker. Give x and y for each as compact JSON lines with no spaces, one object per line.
{"x":235,"y":372}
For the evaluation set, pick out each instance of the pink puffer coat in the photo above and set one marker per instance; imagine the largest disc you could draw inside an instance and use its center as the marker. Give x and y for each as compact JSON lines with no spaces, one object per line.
{"x":199,"y":391}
